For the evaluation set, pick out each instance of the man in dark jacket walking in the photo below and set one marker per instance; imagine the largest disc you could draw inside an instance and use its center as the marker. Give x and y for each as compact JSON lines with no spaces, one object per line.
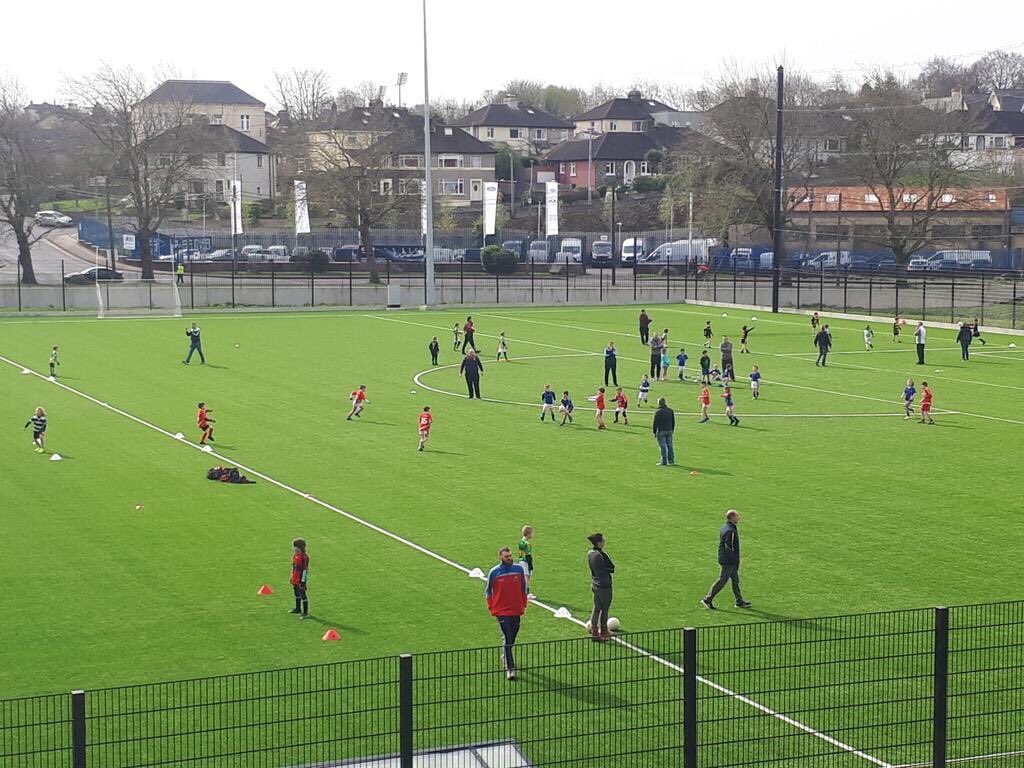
{"x":645,"y":327}
{"x":729,"y":560}
{"x":823,"y":341}
{"x":611,"y":362}
{"x":664,"y":426}
{"x":472,"y":366}
{"x":964,"y":336}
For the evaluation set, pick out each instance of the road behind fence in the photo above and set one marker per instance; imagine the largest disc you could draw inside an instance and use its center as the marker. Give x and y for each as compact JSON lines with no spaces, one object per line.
{"x":899,"y":689}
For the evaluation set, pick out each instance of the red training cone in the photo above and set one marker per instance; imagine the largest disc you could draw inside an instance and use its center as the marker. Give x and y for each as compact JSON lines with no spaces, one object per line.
{"x":265,"y":590}
{"x":331,"y":634}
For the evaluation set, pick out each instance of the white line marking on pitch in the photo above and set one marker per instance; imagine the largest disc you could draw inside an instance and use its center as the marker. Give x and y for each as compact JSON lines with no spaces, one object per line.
{"x":971,"y":759}
{"x":474,"y":573}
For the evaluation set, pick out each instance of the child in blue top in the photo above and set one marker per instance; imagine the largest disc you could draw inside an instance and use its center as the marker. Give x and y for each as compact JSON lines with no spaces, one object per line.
{"x":730,"y":407}
{"x":566,"y":408}
{"x":908,"y":399}
{"x":643,"y":390}
{"x":681,"y":359}
{"x":547,"y":402}
{"x":666,"y":361}
{"x":755,"y":383}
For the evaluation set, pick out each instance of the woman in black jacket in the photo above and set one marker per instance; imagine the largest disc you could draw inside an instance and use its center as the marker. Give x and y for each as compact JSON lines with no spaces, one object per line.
{"x":601,"y":570}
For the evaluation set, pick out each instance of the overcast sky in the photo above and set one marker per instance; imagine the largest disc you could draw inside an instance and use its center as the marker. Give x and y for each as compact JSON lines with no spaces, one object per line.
{"x":478,"y":45}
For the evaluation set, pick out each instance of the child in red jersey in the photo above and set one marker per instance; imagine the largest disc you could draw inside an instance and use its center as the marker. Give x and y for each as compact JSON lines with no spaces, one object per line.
{"x":425,"y":421}
{"x":705,"y":403}
{"x":599,"y":404}
{"x":621,"y":403}
{"x":926,"y":404}
{"x":300,"y":574}
{"x":359,"y":401}
{"x":204,"y":421}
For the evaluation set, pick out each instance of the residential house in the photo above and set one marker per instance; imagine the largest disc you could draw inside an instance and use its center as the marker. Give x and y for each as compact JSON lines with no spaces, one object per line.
{"x":633,"y":114}
{"x":987,"y":127}
{"x":220,"y":154}
{"x":216,"y":102}
{"x":520,"y":127}
{"x":677,"y":118}
{"x":583,"y":162}
{"x":460,"y":163}
{"x":356,"y":129}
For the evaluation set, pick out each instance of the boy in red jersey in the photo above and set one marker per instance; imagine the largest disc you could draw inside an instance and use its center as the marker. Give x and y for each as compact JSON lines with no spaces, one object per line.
{"x":359,"y":401}
{"x":599,"y":404}
{"x":705,"y":403}
{"x":425,"y":421}
{"x":926,"y":404}
{"x":300,"y":574}
{"x":621,"y":403}
{"x":204,"y":421}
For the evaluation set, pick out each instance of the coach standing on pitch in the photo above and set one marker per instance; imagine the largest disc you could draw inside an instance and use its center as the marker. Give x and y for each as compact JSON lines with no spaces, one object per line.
{"x":601,"y":570}
{"x":656,"y":347}
{"x":195,"y":344}
{"x":729,"y":561}
{"x":506,"y":594}
{"x":823,"y":341}
{"x":965,"y":336}
{"x":726,"y":349}
{"x":472,"y":366}
{"x":664,"y":426}
{"x":645,"y":328}
{"x":611,"y":362}
{"x":920,"y":337}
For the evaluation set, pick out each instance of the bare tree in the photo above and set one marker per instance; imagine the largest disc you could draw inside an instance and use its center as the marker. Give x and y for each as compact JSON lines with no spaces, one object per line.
{"x":25,"y":171}
{"x":998,"y":70}
{"x":151,"y":144}
{"x":365,"y":186}
{"x":305,"y":93}
{"x":368,"y":90}
{"x":940,"y":75}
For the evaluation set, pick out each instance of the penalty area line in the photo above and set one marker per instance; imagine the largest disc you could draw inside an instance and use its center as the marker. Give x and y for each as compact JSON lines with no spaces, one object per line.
{"x":472,"y":573}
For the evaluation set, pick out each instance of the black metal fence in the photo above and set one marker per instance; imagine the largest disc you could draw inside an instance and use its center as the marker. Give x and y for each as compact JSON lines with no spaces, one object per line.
{"x":901,"y":689}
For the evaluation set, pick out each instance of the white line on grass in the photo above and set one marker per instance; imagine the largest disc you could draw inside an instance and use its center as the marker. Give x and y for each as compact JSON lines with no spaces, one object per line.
{"x":971,"y":759}
{"x":473,"y":573}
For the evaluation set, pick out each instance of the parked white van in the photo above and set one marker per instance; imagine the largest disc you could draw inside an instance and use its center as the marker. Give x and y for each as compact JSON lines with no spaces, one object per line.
{"x":571,"y":250}
{"x":678,"y":252}
{"x":962,"y":257}
{"x":633,"y":248}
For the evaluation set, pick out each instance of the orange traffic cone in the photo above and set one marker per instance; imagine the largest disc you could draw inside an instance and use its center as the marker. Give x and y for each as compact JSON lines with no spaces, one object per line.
{"x":265,"y":590}
{"x":331,"y":634}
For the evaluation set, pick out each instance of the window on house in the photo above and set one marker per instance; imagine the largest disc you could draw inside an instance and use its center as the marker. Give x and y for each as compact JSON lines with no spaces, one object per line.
{"x":638,"y":125}
{"x":987,"y":231}
{"x":165,"y":161}
{"x":591,"y":125}
{"x":870,"y":198}
{"x":909,"y":197}
{"x":195,"y":160}
{"x":613,"y":126}
{"x":540,"y":134}
{"x":300,"y":165}
{"x":565,"y":134}
{"x":609,"y":167}
{"x":198,"y":188}
{"x":561,"y":168}
{"x":832,"y":198}
{"x":998,"y":142}
{"x":991,"y":197}
{"x":243,"y":123}
{"x":948,"y":231}
{"x":450,"y":187}
{"x":645,"y":168}
{"x":490,"y":133}
{"x":572,"y":169}
{"x":259,"y":161}
{"x":218,"y":186}
{"x":217,"y":120}
{"x":832,"y":145}
{"x":449,"y":161}
{"x":948,"y":198}
{"x":385,"y":186}
{"x":476,"y":161}
{"x":259,"y":191}
{"x":222,"y":160}
{"x":513,"y":133}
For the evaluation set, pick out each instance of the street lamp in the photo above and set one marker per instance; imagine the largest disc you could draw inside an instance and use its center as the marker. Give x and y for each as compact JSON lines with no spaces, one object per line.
{"x":428,"y":210}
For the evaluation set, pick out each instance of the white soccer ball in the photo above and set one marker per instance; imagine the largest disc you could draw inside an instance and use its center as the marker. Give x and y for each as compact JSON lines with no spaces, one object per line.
{"x":236,"y":346}
{"x":1012,"y":345}
{"x":412,"y":391}
{"x":613,"y":624}
{"x":724,"y":314}
{"x":754,"y":318}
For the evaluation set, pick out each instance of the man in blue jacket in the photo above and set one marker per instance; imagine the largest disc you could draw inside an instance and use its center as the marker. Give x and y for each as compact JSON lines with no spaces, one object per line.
{"x":729,"y":560}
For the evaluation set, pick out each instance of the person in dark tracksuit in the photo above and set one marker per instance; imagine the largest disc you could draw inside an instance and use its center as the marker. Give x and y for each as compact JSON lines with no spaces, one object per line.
{"x":195,"y":344}
{"x":645,"y":327}
{"x":965,"y":336}
{"x":611,"y":362}
{"x":824,"y":343}
{"x":729,"y":561}
{"x":468,"y":331}
{"x":435,"y":349}
{"x":601,"y":570}
{"x":472,"y":366}
{"x":663,"y":427}
{"x":656,"y":346}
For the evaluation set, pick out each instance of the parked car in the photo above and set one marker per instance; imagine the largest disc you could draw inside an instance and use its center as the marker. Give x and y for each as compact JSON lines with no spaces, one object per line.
{"x":357,"y":253}
{"x":277,"y":253}
{"x":515,"y":246}
{"x":299,"y":252}
{"x":93,"y":275}
{"x":633,"y":249}
{"x":538,"y":251}
{"x":570,"y":250}
{"x":917,"y":265}
{"x":53,"y":219}
{"x":602,"y":251}
{"x":221,"y":254}
{"x":827,"y":260}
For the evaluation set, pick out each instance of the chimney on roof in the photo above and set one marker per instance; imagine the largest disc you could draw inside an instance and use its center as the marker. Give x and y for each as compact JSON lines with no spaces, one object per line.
{"x":377,"y":104}
{"x":635,"y":96}
{"x":956,"y":100}
{"x":510,"y":100}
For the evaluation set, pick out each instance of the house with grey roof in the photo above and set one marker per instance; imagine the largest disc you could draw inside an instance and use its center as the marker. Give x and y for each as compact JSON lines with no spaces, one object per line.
{"x":632,"y":114}
{"x":217,"y":102}
{"x":518,"y":126}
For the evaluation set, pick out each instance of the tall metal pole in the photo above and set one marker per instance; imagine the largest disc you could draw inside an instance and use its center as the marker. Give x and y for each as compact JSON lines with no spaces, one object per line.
{"x":590,"y":168}
{"x":777,"y":212}
{"x":110,"y":222}
{"x":689,"y":233}
{"x":428,"y":177}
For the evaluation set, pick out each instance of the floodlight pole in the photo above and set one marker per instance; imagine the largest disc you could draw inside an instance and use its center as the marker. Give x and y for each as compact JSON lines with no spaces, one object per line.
{"x":428,"y":177}
{"x":777,"y":222}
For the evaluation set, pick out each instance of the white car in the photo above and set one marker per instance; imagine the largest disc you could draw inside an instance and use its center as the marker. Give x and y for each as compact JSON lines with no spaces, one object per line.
{"x":917,"y":265}
{"x":53,"y":219}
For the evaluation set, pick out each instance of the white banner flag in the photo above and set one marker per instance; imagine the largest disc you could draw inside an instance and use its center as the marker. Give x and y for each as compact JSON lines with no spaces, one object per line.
{"x":490,"y":206}
{"x":423,"y":207}
{"x":301,"y":209}
{"x":551,"y":206}
{"x":236,"y":208}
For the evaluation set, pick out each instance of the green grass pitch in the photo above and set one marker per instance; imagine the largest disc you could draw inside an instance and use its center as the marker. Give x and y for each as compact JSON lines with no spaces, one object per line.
{"x":846,"y":506}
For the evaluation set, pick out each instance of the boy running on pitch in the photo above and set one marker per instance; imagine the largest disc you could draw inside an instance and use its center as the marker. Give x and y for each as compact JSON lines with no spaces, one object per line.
{"x":38,"y":422}
{"x":705,"y":368}
{"x":869,"y":338}
{"x":359,"y":401}
{"x":54,"y":362}
{"x":424,"y":425}
{"x":299,"y":578}
{"x":526,"y":558}
{"x":599,"y":404}
{"x":457,"y":332}
{"x":502,"y":348}
{"x":547,"y":403}
{"x":204,"y":422}
{"x":708,"y":334}
{"x":755,"y":383}
{"x":730,"y":406}
{"x":643,"y":390}
{"x":681,"y":359}
{"x":815,"y":320}
{"x":926,"y":404}
{"x":908,"y":399}
{"x":566,"y":408}
{"x":896,"y":323}
{"x":621,"y":403}
{"x":705,"y":403}
{"x":744,"y":332}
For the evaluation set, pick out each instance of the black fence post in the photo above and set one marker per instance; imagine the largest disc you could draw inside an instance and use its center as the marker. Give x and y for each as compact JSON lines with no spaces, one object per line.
{"x":232,"y":280}
{"x":635,"y":266}
{"x":924,"y":298}
{"x":531,"y":279}
{"x":19,"y":283}
{"x":689,"y":698}
{"x":312,"y":285}
{"x":733,"y":284}
{"x":63,"y":289}
{"x":600,"y":282}
{"x":150,"y":286}
{"x":350,"y":282}
{"x":821,"y":288}
{"x":952,"y":298}
{"x":1013,"y":304}
{"x":940,"y":690}
{"x":273,"y":284}
{"x":462,"y":285}
{"x":871,"y":295}
{"x":405,"y":721}
{"x":78,"y":740}
{"x":982,"y":298}
{"x":714,"y":286}
{"x":896,"y":282}
{"x":798,"y":288}
{"x":567,"y":278}
{"x":686,"y":281}
{"x":668,"y":275}
{"x":846,"y":286}
{"x":756,"y":273}
{"x":192,"y":284}
{"x":497,"y":285}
